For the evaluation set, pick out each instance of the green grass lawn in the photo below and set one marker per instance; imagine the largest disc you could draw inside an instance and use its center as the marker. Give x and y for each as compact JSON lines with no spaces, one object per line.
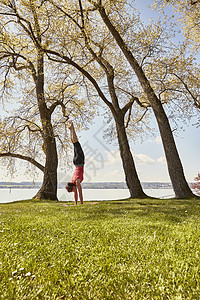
{"x":130,"y":249}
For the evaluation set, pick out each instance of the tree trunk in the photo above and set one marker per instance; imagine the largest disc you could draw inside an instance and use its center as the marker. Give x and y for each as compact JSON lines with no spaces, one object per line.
{"x":179,"y":183}
{"x":48,"y":189}
{"x":180,"y":186}
{"x":176,"y":173}
{"x":131,"y":177}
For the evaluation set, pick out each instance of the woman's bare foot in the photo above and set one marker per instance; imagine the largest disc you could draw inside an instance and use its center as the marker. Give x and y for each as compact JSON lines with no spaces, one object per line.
{"x":70,"y":125}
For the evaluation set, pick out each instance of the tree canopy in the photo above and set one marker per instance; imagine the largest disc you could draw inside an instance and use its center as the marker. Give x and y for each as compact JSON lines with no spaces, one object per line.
{"x":44,"y":94}
{"x":188,"y":14}
{"x":61,"y":58}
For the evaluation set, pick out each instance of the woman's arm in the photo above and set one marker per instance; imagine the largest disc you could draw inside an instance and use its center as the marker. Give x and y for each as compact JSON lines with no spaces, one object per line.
{"x":75,"y":195}
{"x":79,"y":187}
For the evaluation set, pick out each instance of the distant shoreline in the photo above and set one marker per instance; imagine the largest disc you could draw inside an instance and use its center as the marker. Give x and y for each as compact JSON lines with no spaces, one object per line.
{"x":86,"y":185}
{"x":85,"y":188}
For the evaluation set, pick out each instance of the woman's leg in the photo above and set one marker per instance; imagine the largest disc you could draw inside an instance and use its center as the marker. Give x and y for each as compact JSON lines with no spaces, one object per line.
{"x":79,"y":158}
{"x":74,"y":137}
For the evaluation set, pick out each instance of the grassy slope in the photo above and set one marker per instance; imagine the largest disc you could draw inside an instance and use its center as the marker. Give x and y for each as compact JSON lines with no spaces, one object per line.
{"x":131,"y":249}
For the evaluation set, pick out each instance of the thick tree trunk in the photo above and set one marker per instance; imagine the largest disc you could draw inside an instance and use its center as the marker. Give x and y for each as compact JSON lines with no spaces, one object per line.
{"x":131,"y":177}
{"x":180,"y":186}
{"x":48,"y":189}
{"x":175,"y":168}
{"x":176,"y":173}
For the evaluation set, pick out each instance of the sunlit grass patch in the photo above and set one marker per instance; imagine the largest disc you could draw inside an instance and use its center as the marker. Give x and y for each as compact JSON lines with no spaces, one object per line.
{"x":131,"y":249}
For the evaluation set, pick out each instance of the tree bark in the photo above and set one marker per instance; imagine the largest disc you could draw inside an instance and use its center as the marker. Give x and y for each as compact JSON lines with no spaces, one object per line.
{"x":48,"y":189}
{"x":131,"y":177}
{"x":179,"y":183}
{"x":175,"y":168}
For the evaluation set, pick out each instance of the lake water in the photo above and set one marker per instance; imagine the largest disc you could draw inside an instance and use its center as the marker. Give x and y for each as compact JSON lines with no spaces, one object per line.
{"x":10,"y":195}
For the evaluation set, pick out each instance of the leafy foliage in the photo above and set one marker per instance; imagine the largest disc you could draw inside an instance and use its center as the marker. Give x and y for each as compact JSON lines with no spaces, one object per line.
{"x":25,"y":25}
{"x":188,"y":13}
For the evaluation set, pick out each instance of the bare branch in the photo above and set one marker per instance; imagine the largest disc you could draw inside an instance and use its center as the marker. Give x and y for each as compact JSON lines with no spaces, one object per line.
{"x":102,"y":62}
{"x":128,"y":105}
{"x":140,"y":119}
{"x":82,"y":16}
{"x":65,"y":13}
{"x":144,"y":105}
{"x":31,"y":123}
{"x":129,"y":117}
{"x":23,"y":157}
{"x":22,"y":21}
{"x":57,"y":103}
{"x":196,"y":103}
{"x":69,"y":61}
{"x":14,"y":57}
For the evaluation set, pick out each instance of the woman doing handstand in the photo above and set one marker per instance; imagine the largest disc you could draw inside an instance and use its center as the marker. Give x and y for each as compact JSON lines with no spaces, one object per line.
{"x":79,"y":161}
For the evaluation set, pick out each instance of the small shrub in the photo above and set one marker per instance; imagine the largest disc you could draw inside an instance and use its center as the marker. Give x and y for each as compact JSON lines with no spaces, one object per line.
{"x":196,"y":185}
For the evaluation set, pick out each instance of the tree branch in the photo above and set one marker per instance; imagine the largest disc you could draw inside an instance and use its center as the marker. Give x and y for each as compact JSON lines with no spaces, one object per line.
{"x":196,"y":103}
{"x":13,"y":64}
{"x":84,"y":72}
{"x":128,"y":105}
{"x":129,"y":116}
{"x":27,"y":158}
{"x":31,"y":123}
{"x":109,"y":70}
{"x":144,"y":105}
{"x":102,"y":62}
{"x":55,"y":104}
{"x":65,"y":13}
{"x":140,"y":119}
